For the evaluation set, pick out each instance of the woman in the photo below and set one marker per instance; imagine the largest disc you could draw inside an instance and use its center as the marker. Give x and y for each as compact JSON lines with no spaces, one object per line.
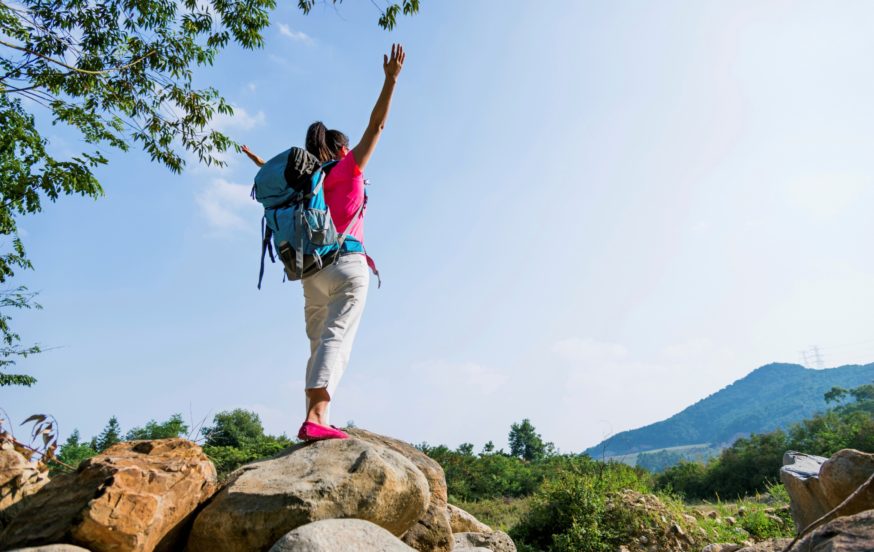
{"x":334,"y":297}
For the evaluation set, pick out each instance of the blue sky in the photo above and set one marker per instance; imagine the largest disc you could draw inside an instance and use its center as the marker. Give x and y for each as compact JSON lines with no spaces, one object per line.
{"x":590,"y":216}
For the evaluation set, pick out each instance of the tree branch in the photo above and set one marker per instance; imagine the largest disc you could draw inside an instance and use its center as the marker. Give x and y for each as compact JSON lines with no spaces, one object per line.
{"x":76,"y":69}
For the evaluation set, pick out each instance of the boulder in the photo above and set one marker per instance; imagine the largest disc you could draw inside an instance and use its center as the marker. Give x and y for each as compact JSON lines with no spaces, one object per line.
{"x":19,"y":477}
{"x":771,"y":545}
{"x":334,"y":535}
{"x":432,"y":532}
{"x":496,"y":541}
{"x":52,"y":548}
{"x":846,"y":534}
{"x":843,"y":473}
{"x":463,"y":522}
{"x":800,"y":476}
{"x":721,"y":547}
{"x":337,"y":478}
{"x":135,"y":496}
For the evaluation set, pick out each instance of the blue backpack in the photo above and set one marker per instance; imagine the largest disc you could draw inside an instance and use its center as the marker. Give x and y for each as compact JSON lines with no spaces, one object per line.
{"x":297,"y":222}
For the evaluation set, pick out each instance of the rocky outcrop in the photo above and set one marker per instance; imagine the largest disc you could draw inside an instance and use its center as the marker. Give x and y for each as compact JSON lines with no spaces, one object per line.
{"x":331,"y":479}
{"x":432,"y":531}
{"x":463,"y":522}
{"x":496,"y":541}
{"x":800,"y":476}
{"x":842,"y":474}
{"x":135,"y":496}
{"x":846,"y":534}
{"x":18,"y":478}
{"x":332,"y":535}
{"x":816,"y":485}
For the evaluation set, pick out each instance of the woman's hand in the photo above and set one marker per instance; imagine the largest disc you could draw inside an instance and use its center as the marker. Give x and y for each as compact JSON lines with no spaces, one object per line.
{"x":255,"y":159}
{"x":392,"y":66}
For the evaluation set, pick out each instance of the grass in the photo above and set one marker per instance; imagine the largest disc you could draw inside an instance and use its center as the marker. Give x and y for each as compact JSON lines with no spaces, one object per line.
{"x":497,"y":513}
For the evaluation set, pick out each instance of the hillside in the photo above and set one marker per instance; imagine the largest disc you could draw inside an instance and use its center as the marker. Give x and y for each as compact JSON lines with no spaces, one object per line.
{"x":773,"y":396}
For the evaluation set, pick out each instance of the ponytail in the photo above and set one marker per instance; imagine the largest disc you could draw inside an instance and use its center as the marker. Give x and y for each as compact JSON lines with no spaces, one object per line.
{"x":323,"y":143}
{"x":316,"y":142}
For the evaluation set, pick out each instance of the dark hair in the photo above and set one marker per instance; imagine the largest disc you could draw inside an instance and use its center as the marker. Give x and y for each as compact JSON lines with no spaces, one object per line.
{"x":323,"y":143}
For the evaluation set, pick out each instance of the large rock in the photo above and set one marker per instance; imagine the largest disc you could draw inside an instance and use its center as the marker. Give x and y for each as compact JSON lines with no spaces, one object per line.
{"x":846,"y":534}
{"x":335,"y":535}
{"x":721,"y":547}
{"x":432,"y":532}
{"x":18,"y":478}
{"x":347,"y":478}
{"x":52,"y":548}
{"x":135,"y":496}
{"x":496,"y":541}
{"x":463,"y":522}
{"x":842,"y":474}
{"x":800,"y":476}
{"x":770,"y":545}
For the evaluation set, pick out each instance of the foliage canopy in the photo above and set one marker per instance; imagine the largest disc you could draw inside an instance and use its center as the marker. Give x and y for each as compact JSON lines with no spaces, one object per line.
{"x":120,"y":72}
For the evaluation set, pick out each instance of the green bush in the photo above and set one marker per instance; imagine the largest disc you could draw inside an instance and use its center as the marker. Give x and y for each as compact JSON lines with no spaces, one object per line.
{"x":570,"y":511}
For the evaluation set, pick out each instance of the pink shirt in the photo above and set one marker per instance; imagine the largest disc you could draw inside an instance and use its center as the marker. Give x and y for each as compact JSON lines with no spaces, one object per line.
{"x":344,"y":194}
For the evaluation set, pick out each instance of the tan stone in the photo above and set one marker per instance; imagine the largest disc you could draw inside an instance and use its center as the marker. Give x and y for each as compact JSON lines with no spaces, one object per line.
{"x":18,"y":478}
{"x":347,"y":478}
{"x":843,"y":473}
{"x":463,"y":522}
{"x":135,"y":496}
{"x":771,"y":545}
{"x":52,"y":548}
{"x":496,"y":541}
{"x":721,"y":547}
{"x":432,"y":531}
{"x":334,"y":535}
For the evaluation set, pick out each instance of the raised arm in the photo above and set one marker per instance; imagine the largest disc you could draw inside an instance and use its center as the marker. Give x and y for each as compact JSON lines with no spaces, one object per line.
{"x":392,"y":67}
{"x":255,"y":159}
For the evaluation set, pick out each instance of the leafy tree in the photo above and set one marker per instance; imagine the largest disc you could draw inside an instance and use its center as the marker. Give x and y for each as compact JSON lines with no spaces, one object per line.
{"x":525,"y":442}
{"x":110,"y":435}
{"x":174,"y":427}
{"x":234,"y":428}
{"x":237,"y":437}
{"x":119,"y":72}
{"x":10,"y":342}
{"x":73,"y":452}
{"x":835,"y":394}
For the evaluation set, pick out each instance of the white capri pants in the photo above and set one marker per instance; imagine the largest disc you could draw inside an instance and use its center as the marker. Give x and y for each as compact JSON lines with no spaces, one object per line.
{"x":334,"y":300}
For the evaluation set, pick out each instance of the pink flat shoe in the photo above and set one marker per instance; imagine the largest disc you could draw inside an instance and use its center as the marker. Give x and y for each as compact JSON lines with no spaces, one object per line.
{"x":315,"y":432}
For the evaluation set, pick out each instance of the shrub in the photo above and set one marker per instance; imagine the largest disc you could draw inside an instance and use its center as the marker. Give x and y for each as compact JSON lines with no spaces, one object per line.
{"x":570,"y":511}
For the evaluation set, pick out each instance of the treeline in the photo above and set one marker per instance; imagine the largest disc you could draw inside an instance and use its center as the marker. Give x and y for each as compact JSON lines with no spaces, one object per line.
{"x":749,"y":465}
{"x":555,"y":502}
{"x":495,"y":473}
{"x":234,"y":438}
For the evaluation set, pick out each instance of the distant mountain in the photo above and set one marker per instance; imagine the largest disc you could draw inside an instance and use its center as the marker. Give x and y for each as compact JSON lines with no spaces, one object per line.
{"x":770,"y":397}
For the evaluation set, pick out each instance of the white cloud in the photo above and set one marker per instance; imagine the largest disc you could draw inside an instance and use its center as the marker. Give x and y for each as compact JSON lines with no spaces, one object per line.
{"x":827,"y":195}
{"x":239,"y":121}
{"x":297,"y":36}
{"x":470,"y":375}
{"x":228,"y":207}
